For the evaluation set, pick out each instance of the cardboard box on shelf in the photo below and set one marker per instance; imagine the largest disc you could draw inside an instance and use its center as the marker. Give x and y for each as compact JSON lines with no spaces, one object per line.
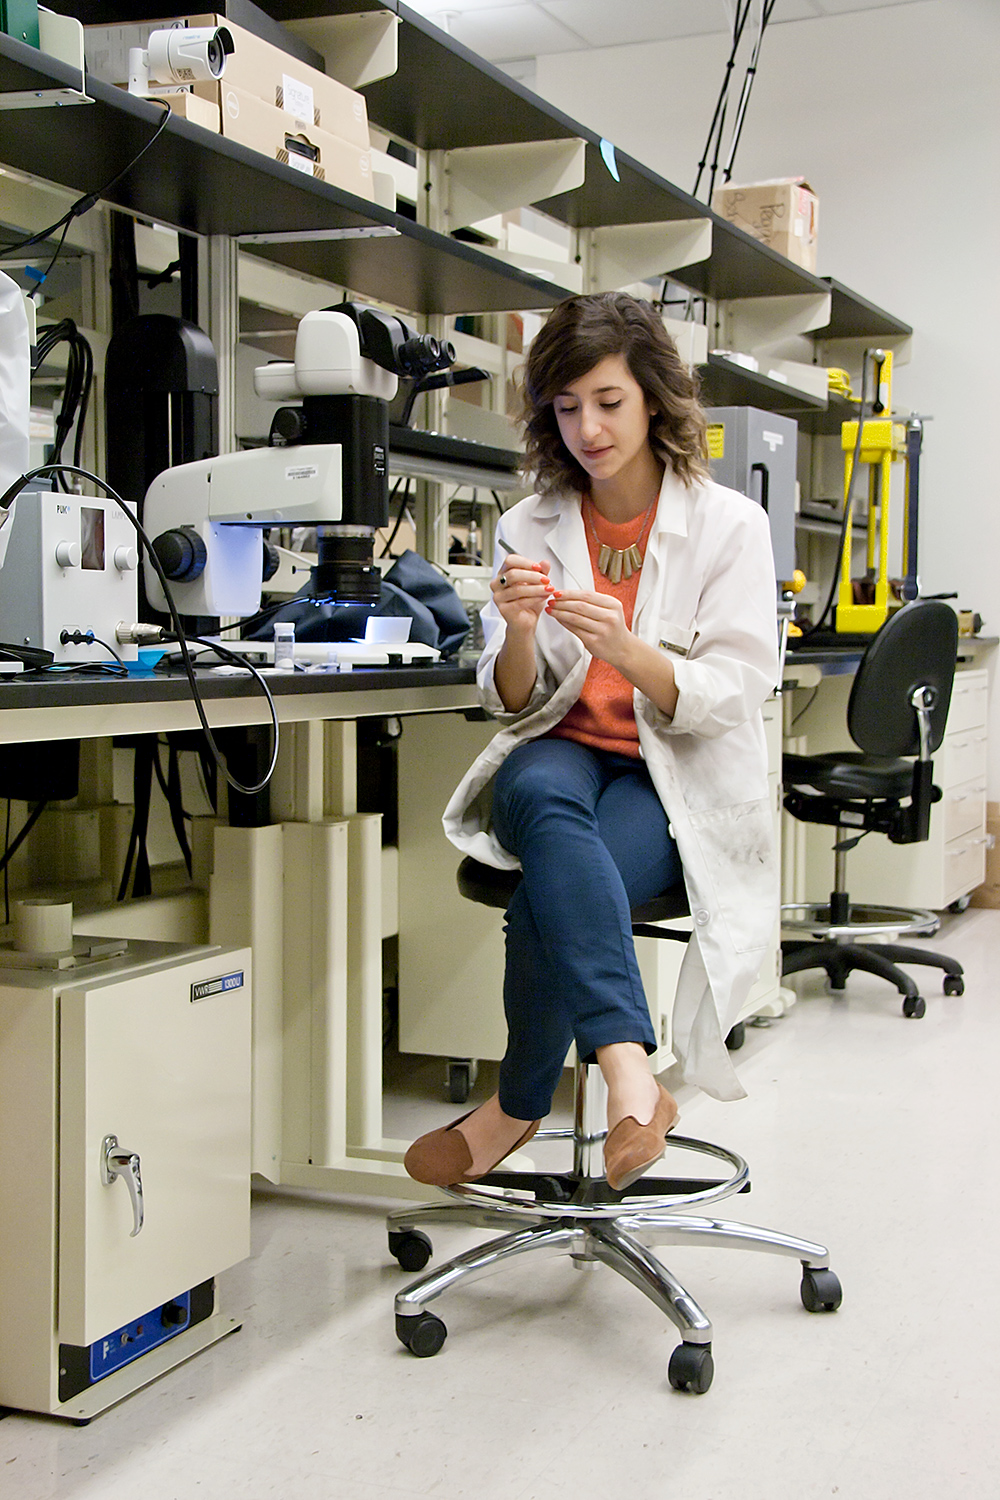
{"x":271,"y":131}
{"x":199,"y":111}
{"x":782,"y":214}
{"x":282,"y":81}
{"x":255,"y":67}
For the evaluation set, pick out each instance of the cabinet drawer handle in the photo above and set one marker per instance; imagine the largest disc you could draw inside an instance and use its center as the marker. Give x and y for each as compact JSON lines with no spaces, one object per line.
{"x":987,"y":839}
{"x":116,"y":1162}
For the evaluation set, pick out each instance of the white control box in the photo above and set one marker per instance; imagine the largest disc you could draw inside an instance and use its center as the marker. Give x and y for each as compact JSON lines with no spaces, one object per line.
{"x":71,"y":565}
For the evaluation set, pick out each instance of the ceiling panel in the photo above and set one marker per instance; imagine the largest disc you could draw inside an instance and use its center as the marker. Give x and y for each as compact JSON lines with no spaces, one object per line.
{"x":493,"y":31}
{"x":604,"y":25}
{"x":505,"y":30}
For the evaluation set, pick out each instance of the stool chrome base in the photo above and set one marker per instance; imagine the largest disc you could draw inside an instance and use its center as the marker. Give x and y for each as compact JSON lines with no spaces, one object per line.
{"x":578,"y":1215}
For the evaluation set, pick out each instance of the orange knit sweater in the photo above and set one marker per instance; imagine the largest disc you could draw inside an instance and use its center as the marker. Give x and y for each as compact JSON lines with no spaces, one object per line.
{"x":602,"y":716}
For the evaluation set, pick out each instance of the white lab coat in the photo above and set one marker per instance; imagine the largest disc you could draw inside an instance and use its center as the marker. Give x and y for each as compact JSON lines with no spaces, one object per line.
{"x":708,"y":589}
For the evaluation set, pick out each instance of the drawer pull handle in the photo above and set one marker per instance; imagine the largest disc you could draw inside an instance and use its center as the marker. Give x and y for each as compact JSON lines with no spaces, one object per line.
{"x":987,"y":839}
{"x":116,"y":1162}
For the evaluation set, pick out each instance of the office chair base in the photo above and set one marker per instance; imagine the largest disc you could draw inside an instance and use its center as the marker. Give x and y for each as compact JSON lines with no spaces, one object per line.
{"x":840,"y":959}
{"x":581,"y":1217}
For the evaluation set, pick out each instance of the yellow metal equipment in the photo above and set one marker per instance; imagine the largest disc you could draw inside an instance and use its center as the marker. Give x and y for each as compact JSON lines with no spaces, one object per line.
{"x":883,"y":442}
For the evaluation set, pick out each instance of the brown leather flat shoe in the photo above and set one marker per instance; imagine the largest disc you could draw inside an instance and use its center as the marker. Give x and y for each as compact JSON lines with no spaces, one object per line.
{"x":442,"y":1158}
{"x":631,"y":1148}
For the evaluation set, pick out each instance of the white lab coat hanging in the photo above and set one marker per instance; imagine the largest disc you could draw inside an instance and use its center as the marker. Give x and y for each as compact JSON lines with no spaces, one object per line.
{"x":707,"y":597}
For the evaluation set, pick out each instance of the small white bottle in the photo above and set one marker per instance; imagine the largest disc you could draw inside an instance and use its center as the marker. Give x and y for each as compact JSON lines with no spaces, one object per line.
{"x":284,"y":646}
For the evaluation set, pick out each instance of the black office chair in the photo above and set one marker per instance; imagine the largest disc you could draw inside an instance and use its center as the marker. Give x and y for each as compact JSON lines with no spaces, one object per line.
{"x":898,"y":708}
{"x":575,"y":1213}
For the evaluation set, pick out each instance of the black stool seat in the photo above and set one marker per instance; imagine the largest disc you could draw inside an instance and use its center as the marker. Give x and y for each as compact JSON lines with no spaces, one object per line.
{"x":488,"y":886}
{"x":847,"y":773}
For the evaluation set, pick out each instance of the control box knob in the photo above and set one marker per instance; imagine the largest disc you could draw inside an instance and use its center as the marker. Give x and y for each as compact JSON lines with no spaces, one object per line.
{"x":126,"y":559}
{"x":68,"y":554}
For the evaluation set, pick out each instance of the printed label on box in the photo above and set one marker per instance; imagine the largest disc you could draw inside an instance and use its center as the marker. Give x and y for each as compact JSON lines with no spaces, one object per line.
{"x":297,"y":99}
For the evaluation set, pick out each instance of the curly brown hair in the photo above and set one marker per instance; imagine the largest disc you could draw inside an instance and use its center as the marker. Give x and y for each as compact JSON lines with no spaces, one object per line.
{"x":578,"y":334}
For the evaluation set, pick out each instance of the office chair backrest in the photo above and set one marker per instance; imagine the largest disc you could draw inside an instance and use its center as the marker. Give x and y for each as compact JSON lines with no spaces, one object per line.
{"x":915,"y":647}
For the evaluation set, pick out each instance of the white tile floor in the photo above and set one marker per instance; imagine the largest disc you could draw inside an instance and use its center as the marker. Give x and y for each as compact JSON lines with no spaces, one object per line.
{"x":870,"y":1132}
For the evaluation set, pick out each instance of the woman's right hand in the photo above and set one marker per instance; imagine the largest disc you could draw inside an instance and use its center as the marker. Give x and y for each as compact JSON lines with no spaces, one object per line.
{"x":521,"y":591}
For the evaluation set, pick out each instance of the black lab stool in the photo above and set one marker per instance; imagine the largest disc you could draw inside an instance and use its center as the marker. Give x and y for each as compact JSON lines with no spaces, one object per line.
{"x":575,"y":1213}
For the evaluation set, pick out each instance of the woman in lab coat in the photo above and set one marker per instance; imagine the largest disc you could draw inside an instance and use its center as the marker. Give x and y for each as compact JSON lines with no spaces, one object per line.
{"x":630,"y":645}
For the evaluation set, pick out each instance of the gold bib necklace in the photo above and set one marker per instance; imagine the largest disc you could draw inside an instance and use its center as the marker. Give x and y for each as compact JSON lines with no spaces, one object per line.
{"x":616,"y":563}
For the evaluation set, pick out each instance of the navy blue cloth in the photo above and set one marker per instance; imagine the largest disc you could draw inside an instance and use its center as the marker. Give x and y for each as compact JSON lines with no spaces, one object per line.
{"x":593,"y":841}
{"x":412,"y":589}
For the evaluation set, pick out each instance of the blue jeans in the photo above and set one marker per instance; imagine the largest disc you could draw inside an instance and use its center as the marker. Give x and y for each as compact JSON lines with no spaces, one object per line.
{"x":591,"y":835}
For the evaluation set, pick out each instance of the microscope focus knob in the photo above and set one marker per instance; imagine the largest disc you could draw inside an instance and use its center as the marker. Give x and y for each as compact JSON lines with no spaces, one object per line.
{"x":272,"y":561}
{"x":288,"y":425}
{"x":181,"y":554}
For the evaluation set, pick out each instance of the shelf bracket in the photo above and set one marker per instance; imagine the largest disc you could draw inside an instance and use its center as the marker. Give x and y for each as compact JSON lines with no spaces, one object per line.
{"x":60,"y":37}
{"x":357,"y":49}
{"x":616,"y":255}
{"x":749,"y":323}
{"x":481,"y":181}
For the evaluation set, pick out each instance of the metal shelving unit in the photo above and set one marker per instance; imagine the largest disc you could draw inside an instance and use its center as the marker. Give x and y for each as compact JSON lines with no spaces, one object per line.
{"x":853,"y":317}
{"x":442,"y":96}
{"x":725,"y":383}
{"x":202,"y":183}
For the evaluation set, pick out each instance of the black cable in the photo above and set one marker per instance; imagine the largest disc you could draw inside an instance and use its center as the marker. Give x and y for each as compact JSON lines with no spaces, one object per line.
{"x":26,"y":827}
{"x":748,"y":83}
{"x":260,"y":618}
{"x":87,"y":638}
{"x":739,"y":21}
{"x":77,"y":386}
{"x":175,"y":802}
{"x":6,"y":871}
{"x":40,"y":280}
{"x":209,"y":775}
{"x":805,"y":708}
{"x":97,"y":640}
{"x":403,"y":507}
{"x":178,"y":631}
{"x":170,"y":786}
{"x":713,"y":170}
{"x":87,"y":202}
{"x":142,"y":790}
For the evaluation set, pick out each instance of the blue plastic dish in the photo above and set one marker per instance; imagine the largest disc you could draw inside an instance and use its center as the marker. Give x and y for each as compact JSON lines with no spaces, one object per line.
{"x":148,"y":657}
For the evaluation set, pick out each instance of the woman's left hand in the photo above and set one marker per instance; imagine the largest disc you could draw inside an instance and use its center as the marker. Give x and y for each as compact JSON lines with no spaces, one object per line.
{"x":597,"y":620}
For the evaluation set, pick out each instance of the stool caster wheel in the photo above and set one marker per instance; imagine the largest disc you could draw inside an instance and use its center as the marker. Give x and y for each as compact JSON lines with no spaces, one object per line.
{"x":914,"y":1006}
{"x":423,"y":1334}
{"x":462,"y":1073}
{"x":411,"y":1247}
{"x":820,"y":1291}
{"x":736,"y":1036}
{"x":691,"y":1368}
{"x":954,"y":984}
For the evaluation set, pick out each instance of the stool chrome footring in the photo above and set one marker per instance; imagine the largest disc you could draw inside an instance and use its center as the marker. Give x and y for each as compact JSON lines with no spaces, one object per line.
{"x":581,"y":1217}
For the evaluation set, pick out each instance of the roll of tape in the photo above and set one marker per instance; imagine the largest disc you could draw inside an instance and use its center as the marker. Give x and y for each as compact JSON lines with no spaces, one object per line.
{"x":43,"y":926}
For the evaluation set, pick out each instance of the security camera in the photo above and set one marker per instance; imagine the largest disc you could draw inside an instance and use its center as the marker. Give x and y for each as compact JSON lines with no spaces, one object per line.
{"x":180,"y":55}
